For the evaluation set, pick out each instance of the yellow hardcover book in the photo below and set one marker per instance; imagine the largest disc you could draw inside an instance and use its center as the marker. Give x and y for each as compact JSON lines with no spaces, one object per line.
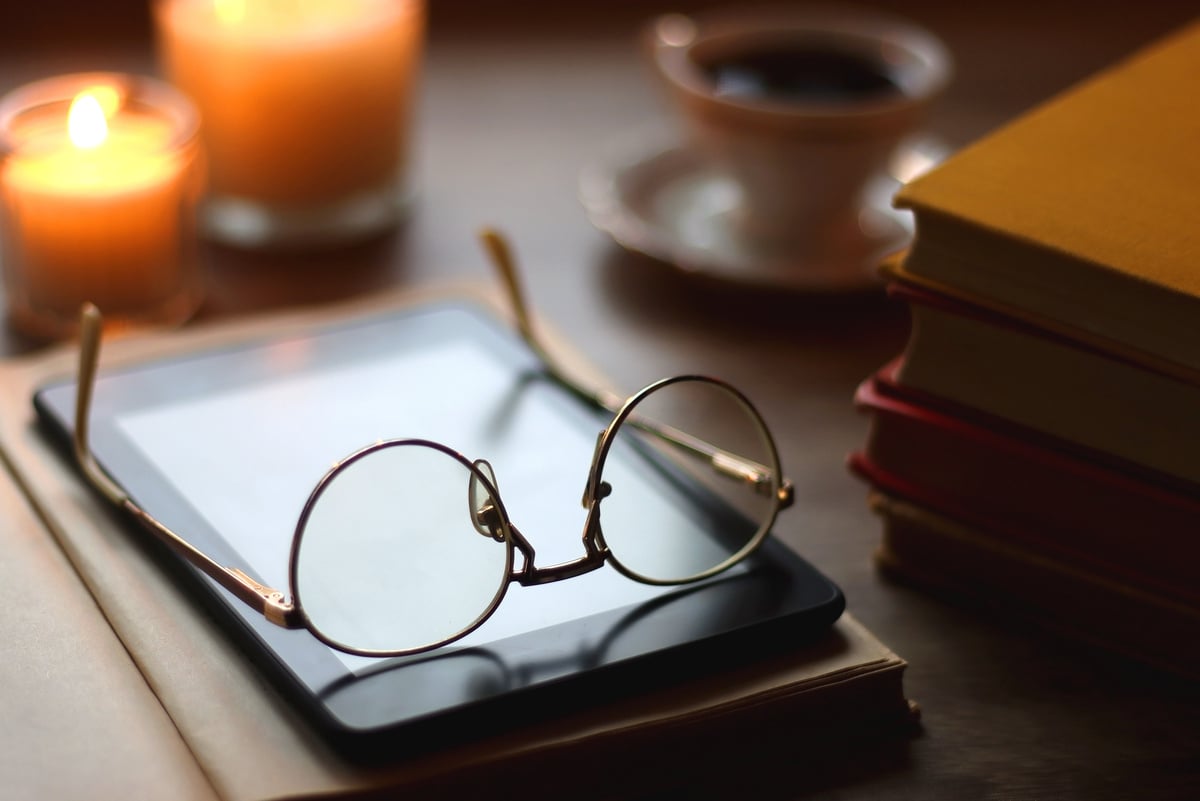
{"x":1085,"y":211}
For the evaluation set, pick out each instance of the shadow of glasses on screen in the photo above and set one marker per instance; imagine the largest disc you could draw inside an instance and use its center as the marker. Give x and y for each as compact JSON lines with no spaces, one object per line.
{"x":422,"y":505}
{"x":467,"y":675}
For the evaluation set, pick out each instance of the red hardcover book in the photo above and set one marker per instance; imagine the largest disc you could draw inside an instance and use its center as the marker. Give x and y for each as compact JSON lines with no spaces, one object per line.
{"x":1024,"y":488}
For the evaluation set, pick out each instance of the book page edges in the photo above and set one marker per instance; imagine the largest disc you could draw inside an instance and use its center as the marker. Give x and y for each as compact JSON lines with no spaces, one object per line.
{"x":935,"y":552}
{"x":1161,"y":338}
{"x":945,"y":530}
{"x":1066,"y":392}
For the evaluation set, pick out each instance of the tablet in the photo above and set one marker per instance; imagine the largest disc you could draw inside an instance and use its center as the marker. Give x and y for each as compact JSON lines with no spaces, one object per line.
{"x":224,"y":447}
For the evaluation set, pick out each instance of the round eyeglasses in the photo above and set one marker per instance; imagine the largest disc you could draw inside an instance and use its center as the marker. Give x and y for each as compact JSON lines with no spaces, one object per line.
{"x":406,"y":545}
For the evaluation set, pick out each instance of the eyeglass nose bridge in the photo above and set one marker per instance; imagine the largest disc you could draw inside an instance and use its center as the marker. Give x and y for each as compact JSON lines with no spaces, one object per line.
{"x":488,"y":520}
{"x":595,"y":552}
{"x":529,"y":574}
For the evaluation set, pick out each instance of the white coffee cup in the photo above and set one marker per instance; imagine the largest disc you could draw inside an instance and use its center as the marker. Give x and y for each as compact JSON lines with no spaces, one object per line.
{"x":801,"y":106}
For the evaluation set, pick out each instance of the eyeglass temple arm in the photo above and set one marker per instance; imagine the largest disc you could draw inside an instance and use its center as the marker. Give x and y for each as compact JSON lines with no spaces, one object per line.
{"x":269,"y":602}
{"x":723,"y":462}
{"x":502,"y":259}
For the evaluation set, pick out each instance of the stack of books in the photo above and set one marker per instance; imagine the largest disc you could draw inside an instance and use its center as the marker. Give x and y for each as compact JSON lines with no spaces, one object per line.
{"x":1037,"y":443}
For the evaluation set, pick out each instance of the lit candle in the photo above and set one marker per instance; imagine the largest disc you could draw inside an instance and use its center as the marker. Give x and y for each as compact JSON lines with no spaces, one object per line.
{"x":306,"y":108}
{"x":99,"y":180}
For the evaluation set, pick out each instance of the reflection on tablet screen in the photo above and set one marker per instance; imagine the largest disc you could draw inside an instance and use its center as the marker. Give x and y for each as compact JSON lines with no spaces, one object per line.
{"x":247,"y":457}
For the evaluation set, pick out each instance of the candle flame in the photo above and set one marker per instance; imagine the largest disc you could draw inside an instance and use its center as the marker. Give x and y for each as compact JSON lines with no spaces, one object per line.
{"x":87,"y":125}
{"x":230,"y":12}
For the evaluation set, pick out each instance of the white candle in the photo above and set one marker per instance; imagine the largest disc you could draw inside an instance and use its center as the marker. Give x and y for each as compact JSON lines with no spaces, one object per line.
{"x":99,"y":183}
{"x":304,"y":102}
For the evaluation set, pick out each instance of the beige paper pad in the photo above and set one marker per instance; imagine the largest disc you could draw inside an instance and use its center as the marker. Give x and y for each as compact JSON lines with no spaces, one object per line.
{"x":244,"y":736}
{"x":79,"y":720}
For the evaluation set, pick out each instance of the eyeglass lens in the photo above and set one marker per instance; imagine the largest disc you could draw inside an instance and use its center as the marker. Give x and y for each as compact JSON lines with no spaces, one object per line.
{"x":727,"y":512}
{"x":389,"y":557}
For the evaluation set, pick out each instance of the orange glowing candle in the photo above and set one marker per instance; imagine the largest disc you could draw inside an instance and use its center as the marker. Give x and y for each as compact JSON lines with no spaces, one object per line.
{"x":306,"y":103}
{"x":99,"y":182}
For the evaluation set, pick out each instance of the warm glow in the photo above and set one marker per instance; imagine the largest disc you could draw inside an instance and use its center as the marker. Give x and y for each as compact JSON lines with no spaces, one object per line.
{"x":86,"y":122}
{"x":230,"y":12}
{"x":109,"y":99}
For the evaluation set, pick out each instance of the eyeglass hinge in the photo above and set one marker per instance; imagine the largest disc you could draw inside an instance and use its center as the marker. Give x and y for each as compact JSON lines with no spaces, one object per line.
{"x":272,"y":604}
{"x":787,"y":495}
{"x":754,"y":474}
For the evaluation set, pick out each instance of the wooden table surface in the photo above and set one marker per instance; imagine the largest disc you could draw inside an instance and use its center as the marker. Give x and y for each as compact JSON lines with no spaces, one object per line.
{"x":517,"y":98}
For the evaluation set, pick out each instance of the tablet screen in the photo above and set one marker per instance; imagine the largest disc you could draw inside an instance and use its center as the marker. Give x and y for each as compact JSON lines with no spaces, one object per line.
{"x":247,"y":458}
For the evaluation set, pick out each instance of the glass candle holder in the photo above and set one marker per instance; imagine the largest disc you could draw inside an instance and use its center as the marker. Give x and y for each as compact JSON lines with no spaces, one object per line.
{"x":100,"y":176}
{"x":307,"y":112}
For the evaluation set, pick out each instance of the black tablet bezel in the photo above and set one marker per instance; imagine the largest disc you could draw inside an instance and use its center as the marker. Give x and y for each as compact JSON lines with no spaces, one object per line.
{"x":778,"y":598}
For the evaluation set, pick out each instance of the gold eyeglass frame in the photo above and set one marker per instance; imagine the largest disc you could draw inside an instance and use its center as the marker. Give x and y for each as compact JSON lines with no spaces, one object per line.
{"x":487,"y":512}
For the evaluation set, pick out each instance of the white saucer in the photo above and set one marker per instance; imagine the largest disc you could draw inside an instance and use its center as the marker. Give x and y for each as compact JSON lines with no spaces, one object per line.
{"x":677,"y":209}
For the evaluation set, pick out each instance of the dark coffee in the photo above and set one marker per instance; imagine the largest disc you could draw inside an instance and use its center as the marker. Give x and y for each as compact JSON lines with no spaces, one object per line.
{"x":801,"y":73}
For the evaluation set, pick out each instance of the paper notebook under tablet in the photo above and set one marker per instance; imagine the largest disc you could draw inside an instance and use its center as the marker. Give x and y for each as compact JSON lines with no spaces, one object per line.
{"x":225,"y":447}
